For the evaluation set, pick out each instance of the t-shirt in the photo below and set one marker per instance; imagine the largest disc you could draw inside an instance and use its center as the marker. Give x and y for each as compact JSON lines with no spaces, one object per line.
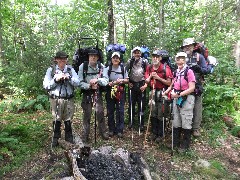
{"x":116,"y":73}
{"x":160,"y":72}
{"x":180,"y":82}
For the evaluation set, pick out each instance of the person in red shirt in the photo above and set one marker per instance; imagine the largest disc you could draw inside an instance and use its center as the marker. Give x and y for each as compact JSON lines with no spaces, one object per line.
{"x":159,"y":76}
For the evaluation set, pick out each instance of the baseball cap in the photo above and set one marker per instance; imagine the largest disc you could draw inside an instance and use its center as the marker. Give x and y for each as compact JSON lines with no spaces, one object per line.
{"x":181,"y":54}
{"x":136,"y":49}
{"x":115,"y":54}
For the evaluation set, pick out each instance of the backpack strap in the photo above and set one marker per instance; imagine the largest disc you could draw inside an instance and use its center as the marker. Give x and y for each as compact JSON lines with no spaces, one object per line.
{"x":185,"y":73}
{"x":53,"y":70}
{"x":110,"y":70}
{"x":85,"y":69}
{"x":144,"y":65}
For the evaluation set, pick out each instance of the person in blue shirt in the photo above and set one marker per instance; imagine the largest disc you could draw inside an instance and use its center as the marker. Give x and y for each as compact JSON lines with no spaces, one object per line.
{"x":198,"y":64}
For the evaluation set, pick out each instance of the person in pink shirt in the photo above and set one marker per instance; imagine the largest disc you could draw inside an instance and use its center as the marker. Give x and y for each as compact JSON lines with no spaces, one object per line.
{"x":182,"y":90}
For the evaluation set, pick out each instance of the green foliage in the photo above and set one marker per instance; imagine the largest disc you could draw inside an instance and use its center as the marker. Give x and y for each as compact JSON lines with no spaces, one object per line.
{"x":40,"y":103}
{"x":235,"y":131}
{"x":220,"y":100}
{"x":20,"y":137}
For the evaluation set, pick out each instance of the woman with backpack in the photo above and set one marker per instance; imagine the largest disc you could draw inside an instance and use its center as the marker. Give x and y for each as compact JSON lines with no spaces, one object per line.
{"x":118,"y":77}
{"x":182,"y":89}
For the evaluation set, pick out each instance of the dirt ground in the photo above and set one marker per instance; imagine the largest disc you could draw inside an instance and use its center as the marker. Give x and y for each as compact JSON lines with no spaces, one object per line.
{"x":162,"y":163}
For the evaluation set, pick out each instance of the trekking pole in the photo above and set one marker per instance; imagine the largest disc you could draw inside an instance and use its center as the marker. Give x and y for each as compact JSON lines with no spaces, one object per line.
{"x":163,"y":109}
{"x":140,"y":118}
{"x":171,"y":109}
{"x":150,"y":113}
{"x":130,"y":93}
{"x":56,"y":113}
{"x":95,"y":116}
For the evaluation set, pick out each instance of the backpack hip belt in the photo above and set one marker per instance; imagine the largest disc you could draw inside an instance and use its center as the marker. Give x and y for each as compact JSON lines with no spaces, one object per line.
{"x":52,"y":96}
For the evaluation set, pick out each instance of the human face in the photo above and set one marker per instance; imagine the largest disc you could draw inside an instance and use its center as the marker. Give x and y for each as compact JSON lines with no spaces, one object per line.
{"x":156,"y":59}
{"x":93,"y":59}
{"x":188,"y":49}
{"x":115,"y":60}
{"x":61,"y":62}
{"x":180,"y":61}
{"x":137,"y":54}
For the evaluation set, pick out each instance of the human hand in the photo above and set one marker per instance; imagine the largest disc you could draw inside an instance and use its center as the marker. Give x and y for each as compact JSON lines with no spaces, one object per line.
{"x":142,"y":88}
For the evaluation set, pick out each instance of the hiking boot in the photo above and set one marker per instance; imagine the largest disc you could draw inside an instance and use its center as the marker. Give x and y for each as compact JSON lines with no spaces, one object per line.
{"x":85,"y":139}
{"x":56,"y":133}
{"x":141,"y":128}
{"x":105,"y":136}
{"x":186,"y":140}
{"x":130,"y":126}
{"x":158,"y":140}
{"x":196,"y":133}
{"x":120,"y":135}
{"x":153,"y":137}
{"x":68,"y":132}
{"x":110,"y":134}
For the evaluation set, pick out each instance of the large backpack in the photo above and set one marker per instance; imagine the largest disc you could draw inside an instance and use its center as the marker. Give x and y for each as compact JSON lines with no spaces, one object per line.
{"x":203,"y":50}
{"x":145,"y":52}
{"x":111,"y":48}
{"x":167,"y":59}
{"x":81,"y":54}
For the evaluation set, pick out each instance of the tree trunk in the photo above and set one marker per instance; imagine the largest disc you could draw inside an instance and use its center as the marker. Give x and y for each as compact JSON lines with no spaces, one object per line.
{"x":110,"y":22}
{"x":1,"y":35}
{"x":237,"y":46}
{"x":161,"y":21}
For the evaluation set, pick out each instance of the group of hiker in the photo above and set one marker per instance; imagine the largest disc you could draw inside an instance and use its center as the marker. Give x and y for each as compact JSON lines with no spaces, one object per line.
{"x":178,"y":91}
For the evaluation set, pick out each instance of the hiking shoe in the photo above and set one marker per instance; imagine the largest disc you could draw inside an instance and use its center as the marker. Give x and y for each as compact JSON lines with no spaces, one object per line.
{"x":110,"y":133}
{"x":141,"y":128}
{"x":153,"y":137}
{"x":196,"y":133}
{"x":105,"y":136}
{"x":158,"y":140}
{"x":120,"y":135}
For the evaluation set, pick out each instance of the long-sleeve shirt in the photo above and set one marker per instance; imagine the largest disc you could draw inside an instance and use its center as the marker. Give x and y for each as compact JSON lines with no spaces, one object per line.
{"x":63,"y":88}
{"x":92,"y":73}
{"x":200,"y":60}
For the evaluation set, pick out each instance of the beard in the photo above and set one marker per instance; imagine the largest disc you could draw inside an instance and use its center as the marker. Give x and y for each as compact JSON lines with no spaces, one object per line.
{"x":155,"y":62}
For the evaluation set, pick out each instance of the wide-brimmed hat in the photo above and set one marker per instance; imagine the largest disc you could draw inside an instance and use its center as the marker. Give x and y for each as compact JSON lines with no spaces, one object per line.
{"x":188,"y":41}
{"x":93,"y":51}
{"x":61,"y":54}
{"x":115,"y":54}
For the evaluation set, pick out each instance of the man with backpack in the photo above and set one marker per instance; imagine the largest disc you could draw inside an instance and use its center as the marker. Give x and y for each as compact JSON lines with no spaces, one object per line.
{"x":159,"y":76}
{"x":91,"y":81}
{"x":197,"y":63}
{"x":136,"y":68}
{"x":59,"y":81}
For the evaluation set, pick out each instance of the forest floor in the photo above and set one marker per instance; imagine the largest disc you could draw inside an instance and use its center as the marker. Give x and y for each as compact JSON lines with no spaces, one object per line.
{"x":223,"y":157}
